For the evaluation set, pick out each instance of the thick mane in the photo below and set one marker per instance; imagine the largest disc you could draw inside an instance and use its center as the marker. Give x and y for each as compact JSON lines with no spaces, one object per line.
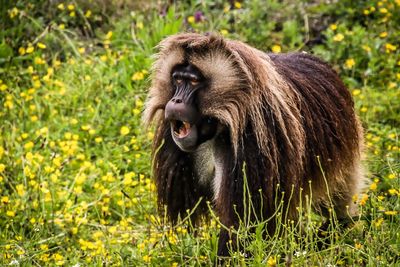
{"x":244,"y":87}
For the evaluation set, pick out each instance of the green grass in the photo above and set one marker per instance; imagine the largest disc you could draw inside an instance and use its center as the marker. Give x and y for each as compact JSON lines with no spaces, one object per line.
{"x":75,"y":181}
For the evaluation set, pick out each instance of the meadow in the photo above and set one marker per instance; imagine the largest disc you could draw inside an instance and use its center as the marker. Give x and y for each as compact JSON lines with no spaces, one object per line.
{"x":75,"y":165}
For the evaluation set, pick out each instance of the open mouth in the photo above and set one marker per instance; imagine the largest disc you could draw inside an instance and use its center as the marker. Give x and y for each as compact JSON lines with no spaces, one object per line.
{"x":181,"y":128}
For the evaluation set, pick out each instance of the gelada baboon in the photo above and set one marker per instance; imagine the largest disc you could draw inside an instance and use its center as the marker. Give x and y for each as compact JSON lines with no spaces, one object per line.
{"x":226,"y":112}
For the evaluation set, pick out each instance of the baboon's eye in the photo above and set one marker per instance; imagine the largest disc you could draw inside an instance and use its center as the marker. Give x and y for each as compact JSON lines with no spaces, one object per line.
{"x":194,"y":82}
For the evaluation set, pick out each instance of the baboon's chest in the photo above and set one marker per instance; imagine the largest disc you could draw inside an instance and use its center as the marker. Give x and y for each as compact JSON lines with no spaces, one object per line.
{"x":207,"y":167}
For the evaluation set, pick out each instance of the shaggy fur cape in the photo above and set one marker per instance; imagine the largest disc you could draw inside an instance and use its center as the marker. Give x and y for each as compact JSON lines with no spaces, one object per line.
{"x":289,"y":127}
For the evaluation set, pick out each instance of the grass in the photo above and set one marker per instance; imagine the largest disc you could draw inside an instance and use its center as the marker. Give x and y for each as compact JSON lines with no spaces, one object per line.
{"x":75,"y":181}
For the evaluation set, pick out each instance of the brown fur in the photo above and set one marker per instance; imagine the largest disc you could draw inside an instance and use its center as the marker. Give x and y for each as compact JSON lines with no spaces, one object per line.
{"x":286,"y":117}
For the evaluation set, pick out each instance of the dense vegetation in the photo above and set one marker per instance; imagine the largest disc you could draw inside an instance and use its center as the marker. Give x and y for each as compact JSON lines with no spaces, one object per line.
{"x":75,"y":181}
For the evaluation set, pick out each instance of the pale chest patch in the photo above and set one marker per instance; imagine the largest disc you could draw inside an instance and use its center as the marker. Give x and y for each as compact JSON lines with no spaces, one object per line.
{"x":208,"y":167}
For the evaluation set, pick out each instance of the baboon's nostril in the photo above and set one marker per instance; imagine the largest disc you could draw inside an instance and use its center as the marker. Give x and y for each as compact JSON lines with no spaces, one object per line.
{"x":176,"y":100}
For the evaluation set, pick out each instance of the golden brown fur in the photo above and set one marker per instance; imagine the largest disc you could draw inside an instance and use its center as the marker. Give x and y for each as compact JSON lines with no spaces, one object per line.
{"x":288,"y":118}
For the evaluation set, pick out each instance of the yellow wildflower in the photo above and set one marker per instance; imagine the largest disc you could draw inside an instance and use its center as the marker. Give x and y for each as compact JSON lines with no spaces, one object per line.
{"x":338,"y":37}
{"x":13,"y":12}
{"x":391,"y":212}
{"x":30,"y":49}
{"x":124,"y":130}
{"x":349,"y":63}
{"x":191,"y":19}
{"x":390,"y":48}
{"x":137,"y":76}
{"x":276,"y":48}
{"x":224,"y":32}
{"x":88,"y":14}
{"x":383,"y":34}
{"x":41,"y":45}
{"x":364,"y":199}
{"x":271,"y":261}
{"x":146,"y":258}
{"x":10,"y":213}
{"x":238,"y":5}
{"x":373,"y":186}
{"x":383,"y":10}
{"x":356,"y":92}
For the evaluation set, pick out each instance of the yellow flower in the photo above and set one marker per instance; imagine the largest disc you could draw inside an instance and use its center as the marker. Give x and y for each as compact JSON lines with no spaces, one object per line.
{"x":71,"y":7}
{"x":238,"y":5}
{"x":61,"y":6}
{"x":72,"y":14}
{"x":356,"y":92}
{"x":390,"y":48}
{"x":124,"y":130}
{"x":224,"y":32}
{"x":392,"y":191}
{"x":61,"y":26}
{"x":338,"y":37}
{"x":276,"y":48}
{"x":2,"y":167}
{"x":364,"y":199}
{"x":333,"y":27}
{"x":146,"y":258}
{"x":271,"y":261}
{"x":139,"y":25}
{"x":80,"y":179}
{"x":383,"y":34}
{"x":391,"y":176}
{"x":81,"y":50}
{"x":10,"y":213}
{"x":28,"y":145}
{"x":373,"y":186}
{"x":30,"y":49}
{"x":378,"y":222}
{"x":88,"y":14}
{"x":5,"y":200}
{"x":20,"y":190}
{"x":136,"y":111}
{"x":391,"y":212}
{"x":108,"y":35}
{"x":22,"y":51}
{"x":383,"y":10}
{"x":137,"y":76}
{"x":41,"y":45}
{"x":349,"y":63}
{"x":13,"y":12}
{"x":366,"y":48}
{"x":191,"y":19}
{"x":98,"y":139}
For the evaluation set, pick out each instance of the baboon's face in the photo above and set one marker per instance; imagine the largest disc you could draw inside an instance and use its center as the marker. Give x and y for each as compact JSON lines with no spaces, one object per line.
{"x":189,"y":128}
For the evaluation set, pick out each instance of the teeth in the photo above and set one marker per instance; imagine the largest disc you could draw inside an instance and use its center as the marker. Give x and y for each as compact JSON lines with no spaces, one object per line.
{"x":183,"y":130}
{"x":186,"y":125}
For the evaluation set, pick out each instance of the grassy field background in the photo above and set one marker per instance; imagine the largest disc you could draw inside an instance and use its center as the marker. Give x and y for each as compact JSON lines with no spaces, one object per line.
{"x":75,"y":181}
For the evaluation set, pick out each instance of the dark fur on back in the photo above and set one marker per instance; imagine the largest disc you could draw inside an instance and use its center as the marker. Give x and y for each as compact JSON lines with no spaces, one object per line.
{"x":285,"y":117}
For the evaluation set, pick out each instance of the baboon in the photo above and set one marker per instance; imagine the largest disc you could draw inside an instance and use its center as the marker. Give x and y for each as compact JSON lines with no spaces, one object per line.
{"x":226,"y":112}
